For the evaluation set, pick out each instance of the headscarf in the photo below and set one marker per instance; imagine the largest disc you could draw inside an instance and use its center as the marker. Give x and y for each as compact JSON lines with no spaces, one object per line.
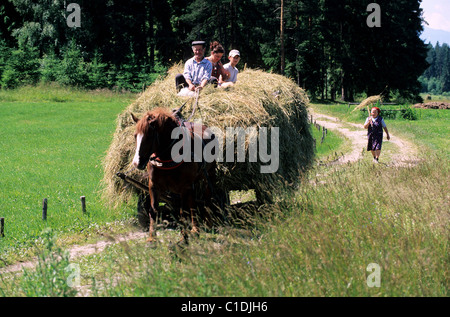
{"x":378,"y":110}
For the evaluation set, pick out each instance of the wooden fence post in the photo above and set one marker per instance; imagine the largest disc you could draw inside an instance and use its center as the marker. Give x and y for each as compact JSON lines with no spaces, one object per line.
{"x":83,"y":203}
{"x":44,"y":209}
{"x":2,"y":227}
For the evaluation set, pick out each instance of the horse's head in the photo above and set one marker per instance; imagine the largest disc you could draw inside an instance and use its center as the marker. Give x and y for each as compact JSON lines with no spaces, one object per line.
{"x":150,"y":130}
{"x":145,"y":136}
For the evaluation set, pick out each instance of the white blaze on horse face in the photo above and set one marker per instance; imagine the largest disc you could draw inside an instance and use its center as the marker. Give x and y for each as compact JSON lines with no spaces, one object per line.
{"x":138,"y":146}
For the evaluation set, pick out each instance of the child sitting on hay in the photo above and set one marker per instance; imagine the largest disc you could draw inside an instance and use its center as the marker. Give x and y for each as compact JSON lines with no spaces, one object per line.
{"x":234,"y":56}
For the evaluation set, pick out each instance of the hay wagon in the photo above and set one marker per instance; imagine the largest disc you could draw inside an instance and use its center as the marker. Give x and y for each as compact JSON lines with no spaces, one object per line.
{"x":259,"y":101}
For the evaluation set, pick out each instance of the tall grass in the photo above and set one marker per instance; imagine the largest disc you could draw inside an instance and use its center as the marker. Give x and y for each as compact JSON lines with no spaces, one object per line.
{"x":329,"y":146}
{"x":318,"y":242}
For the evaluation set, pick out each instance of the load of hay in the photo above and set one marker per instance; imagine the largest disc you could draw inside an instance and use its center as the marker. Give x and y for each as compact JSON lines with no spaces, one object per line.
{"x":369,"y":101}
{"x":259,"y":99}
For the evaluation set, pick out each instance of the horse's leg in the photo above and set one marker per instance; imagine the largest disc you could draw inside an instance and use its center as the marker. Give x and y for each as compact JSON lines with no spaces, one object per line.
{"x":183,"y":220}
{"x":152,"y":212}
{"x":194,"y":226}
{"x":190,"y":200}
{"x":209,"y":193}
{"x":210,"y":181}
{"x":208,"y":178}
{"x":188,"y":204}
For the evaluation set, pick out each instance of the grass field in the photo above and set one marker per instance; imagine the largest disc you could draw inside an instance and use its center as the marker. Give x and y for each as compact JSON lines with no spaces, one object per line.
{"x":327,"y":149}
{"x":435,"y":97}
{"x":318,"y":240}
{"x":52,"y":143}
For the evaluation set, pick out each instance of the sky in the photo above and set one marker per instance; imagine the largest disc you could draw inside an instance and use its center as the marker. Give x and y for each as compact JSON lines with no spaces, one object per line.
{"x":437,"y":14}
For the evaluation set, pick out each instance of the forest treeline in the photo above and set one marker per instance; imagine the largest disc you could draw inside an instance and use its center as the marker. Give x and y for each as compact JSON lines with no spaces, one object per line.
{"x":436,"y":79}
{"x":326,"y":46}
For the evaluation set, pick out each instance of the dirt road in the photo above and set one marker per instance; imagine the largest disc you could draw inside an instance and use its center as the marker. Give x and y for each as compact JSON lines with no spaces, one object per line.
{"x":78,"y":251}
{"x":405,"y":152}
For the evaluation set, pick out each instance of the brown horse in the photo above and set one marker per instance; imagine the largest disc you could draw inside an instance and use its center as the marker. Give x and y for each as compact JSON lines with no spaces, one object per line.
{"x":154,"y":147}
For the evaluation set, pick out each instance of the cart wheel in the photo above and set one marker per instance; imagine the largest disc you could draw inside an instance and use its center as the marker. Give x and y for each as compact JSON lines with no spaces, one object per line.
{"x":221,"y":201}
{"x":263,"y":196}
{"x":222,"y":198}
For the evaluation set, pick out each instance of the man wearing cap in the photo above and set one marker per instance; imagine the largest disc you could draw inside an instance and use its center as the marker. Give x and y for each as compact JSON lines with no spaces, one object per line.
{"x":197,"y":70}
{"x":234,"y":57}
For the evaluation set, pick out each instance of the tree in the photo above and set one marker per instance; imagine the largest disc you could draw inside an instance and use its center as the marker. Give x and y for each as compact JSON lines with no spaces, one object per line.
{"x":22,"y":67}
{"x":376,"y":59}
{"x":326,"y":46}
{"x":436,"y":78}
{"x":9,"y":18}
{"x":283,"y":61}
{"x":43,"y":24}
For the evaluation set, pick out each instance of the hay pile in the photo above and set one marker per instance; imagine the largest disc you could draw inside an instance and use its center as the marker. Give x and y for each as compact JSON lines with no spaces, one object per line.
{"x":368,"y":102}
{"x":433,"y":105}
{"x":258,"y":99}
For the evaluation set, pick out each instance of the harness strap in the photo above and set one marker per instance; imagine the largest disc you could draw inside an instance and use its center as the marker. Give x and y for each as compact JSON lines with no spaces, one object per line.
{"x":168,"y":164}
{"x":159,"y":164}
{"x":156,"y":161}
{"x":197,"y":95}
{"x":177,"y":112}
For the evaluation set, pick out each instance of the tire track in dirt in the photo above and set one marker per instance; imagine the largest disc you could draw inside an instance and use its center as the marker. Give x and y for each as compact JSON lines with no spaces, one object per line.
{"x":77,"y":251}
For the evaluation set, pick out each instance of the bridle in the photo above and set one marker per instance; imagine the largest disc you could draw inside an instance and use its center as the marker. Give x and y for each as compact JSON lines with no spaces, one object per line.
{"x":155,"y":160}
{"x":170,"y":164}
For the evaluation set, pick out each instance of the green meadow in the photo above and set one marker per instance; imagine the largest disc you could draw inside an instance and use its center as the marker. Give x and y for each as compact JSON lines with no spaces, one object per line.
{"x":52,"y":142}
{"x":317,"y":240}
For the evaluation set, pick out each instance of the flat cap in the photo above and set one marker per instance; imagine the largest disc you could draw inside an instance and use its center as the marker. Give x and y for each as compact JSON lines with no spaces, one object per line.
{"x":198,"y":43}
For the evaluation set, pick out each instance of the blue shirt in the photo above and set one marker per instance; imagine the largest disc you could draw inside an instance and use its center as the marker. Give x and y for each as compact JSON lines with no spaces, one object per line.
{"x":197,"y":72}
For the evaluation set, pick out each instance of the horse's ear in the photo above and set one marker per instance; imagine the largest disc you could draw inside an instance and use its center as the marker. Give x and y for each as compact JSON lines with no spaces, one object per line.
{"x":135,"y":119}
{"x":152,"y":121}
